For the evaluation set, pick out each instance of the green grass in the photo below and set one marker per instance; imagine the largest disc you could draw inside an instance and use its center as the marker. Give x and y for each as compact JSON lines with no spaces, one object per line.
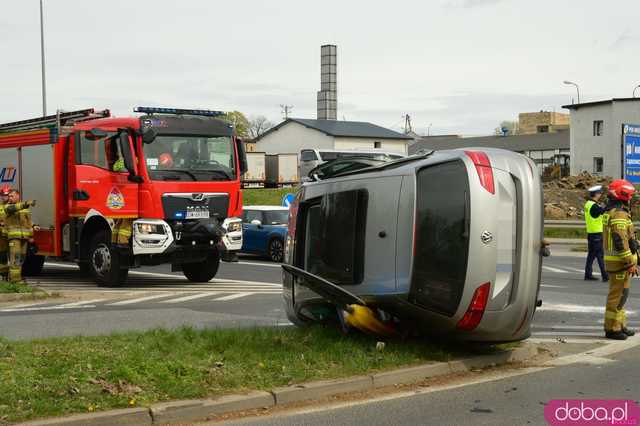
{"x":565,"y":232}
{"x":581,"y":248}
{"x":83,"y":374}
{"x":267,"y":197}
{"x":6,"y":287}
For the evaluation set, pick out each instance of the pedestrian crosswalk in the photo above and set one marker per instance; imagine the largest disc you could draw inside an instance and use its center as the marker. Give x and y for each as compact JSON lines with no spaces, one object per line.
{"x":565,"y":270}
{"x":133,"y":300}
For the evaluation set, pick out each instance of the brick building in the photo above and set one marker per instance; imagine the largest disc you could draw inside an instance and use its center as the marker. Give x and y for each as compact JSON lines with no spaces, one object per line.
{"x":541,"y":122}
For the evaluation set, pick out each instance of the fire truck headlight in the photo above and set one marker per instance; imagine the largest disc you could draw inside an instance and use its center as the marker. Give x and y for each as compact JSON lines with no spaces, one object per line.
{"x":232,"y":225}
{"x":150,"y":228}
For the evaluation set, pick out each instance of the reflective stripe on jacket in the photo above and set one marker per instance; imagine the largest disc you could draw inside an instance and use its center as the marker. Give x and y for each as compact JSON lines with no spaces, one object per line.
{"x":18,"y":223}
{"x":618,"y":230}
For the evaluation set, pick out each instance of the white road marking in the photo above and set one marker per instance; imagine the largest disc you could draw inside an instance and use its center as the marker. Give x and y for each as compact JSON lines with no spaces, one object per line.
{"x":550,"y":269}
{"x":553,"y":286}
{"x":138,"y":300}
{"x":82,"y":302}
{"x":232,"y":297}
{"x":187,"y":298}
{"x":567,"y":307}
{"x":46,"y":308}
{"x":270,"y":265}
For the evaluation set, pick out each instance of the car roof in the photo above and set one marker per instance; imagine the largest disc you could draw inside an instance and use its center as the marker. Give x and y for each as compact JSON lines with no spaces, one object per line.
{"x":264,"y":208}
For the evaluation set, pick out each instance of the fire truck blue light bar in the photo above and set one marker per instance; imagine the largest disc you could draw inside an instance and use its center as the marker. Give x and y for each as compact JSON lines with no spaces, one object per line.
{"x":178,"y":111}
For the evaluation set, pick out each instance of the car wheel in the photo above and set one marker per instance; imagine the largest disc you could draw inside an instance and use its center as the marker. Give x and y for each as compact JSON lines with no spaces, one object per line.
{"x":202,"y":272}
{"x":276,"y":250}
{"x":33,"y":266}
{"x":104,"y":262}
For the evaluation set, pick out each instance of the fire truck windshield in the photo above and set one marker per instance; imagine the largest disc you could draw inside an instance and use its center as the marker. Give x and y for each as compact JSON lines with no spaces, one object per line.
{"x":187,"y":157}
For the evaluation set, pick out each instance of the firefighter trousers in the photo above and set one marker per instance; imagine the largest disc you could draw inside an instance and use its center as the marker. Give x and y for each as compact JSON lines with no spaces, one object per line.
{"x":614,"y":315}
{"x":4,"y":248}
{"x":121,"y":232}
{"x":17,"y":254}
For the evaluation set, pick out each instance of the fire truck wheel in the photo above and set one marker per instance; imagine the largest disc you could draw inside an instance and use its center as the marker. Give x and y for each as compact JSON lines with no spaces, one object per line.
{"x":202,"y":272}
{"x":32,"y":266}
{"x":104,"y":262}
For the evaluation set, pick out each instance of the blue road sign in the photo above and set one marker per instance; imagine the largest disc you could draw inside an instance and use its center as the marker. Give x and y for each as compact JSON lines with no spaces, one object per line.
{"x":631,"y":144}
{"x":287,"y":200}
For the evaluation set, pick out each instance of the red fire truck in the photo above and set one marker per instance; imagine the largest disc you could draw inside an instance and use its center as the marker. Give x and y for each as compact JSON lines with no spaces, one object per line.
{"x":169,"y":178}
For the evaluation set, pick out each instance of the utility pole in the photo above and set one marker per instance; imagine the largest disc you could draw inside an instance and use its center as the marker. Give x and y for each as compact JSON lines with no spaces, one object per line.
{"x":44,"y":84}
{"x":286,"y":109}
{"x":407,"y":124}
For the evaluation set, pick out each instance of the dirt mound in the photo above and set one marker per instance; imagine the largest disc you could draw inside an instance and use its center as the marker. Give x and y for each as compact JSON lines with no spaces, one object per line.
{"x":564,"y":198}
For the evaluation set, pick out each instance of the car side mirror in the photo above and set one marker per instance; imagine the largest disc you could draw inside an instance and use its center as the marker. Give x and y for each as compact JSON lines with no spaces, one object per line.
{"x":242,"y":156}
{"x":148,"y":135}
{"x":256,"y":222}
{"x":127,"y":156}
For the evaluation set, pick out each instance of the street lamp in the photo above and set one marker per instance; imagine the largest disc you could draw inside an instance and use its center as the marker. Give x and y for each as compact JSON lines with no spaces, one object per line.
{"x":44,"y":85}
{"x":577,"y":88}
{"x":634,"y":90}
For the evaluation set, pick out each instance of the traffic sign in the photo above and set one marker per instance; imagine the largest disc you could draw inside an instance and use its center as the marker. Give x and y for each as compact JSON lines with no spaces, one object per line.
{"x":287,"y":200}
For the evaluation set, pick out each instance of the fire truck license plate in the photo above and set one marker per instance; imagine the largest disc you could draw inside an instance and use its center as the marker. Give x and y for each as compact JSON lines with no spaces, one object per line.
{"x":197,"y":214}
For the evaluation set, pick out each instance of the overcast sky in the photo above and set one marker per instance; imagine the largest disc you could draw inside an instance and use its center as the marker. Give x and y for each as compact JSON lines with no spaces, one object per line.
{"x":462,"y":65}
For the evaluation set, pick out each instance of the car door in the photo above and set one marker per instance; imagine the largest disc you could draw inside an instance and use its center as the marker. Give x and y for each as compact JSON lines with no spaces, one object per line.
{"x":98,"y":181}
{"x":249,"y":230}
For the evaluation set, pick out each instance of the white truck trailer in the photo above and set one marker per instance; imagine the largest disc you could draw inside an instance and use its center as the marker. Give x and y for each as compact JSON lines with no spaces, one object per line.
{"x":282,"y":170}
{"x":256,"y":171}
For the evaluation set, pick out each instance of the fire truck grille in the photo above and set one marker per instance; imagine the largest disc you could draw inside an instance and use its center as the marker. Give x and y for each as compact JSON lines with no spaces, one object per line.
{"x":195,"y":206}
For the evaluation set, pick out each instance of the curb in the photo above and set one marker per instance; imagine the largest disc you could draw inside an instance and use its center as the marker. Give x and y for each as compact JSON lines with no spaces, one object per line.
{"x":18,"y":297}
{"x":189,"y":410}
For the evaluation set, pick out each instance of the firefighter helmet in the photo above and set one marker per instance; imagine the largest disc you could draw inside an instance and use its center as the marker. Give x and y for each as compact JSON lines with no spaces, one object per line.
{"x":622,"y":190}
{"x":5,"y":190}
{"x":166,"y":160}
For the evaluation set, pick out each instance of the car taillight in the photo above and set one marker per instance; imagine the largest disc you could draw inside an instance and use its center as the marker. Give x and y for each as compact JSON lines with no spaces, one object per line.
{"x":474,"y":313}
{"x":483,"y":167}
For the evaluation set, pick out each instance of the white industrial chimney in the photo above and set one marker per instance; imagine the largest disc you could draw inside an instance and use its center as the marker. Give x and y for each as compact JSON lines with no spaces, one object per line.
{"x":328,"y":94}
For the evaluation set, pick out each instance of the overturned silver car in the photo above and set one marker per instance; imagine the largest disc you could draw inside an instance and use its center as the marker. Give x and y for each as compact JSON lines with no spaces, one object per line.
{"x":447,"y":242}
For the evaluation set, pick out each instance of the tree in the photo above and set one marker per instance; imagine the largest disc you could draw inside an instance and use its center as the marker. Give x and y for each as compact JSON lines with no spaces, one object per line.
{"x":258,"y":125}
{"x":239,"y":121}
{"x":511,"y":126}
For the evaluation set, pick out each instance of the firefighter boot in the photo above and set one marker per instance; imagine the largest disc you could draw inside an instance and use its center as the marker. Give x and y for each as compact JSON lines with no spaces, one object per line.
{"x":616,"y":335}
{"x":629,"y":332}
{"x":614,"y":316}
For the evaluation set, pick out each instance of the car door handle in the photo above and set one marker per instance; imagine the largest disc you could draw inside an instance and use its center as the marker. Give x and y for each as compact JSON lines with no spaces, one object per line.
{"x":80,"y":195}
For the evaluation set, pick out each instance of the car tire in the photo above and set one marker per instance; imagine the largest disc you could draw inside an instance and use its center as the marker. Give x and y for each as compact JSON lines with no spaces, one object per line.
{"x":33,"y":266}
{"x":276,"y":250}
{"x":202,"y":272}
{"x":105,"y":262}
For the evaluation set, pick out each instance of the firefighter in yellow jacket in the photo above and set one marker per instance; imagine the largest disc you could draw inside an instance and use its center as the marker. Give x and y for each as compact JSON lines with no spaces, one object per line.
{"x":620,"y":257}
{"x":19,"y":229}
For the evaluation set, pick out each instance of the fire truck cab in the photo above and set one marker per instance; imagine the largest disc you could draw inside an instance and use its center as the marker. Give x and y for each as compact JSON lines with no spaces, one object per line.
{"x":117,"y":193}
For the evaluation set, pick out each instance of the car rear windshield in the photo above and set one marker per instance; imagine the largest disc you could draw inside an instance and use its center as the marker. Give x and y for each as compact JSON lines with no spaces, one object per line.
{"x":441,"y":237}
{"x":334,"y":237}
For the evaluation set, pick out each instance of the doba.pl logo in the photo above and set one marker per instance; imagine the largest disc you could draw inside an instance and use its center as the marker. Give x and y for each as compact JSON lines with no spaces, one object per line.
{"x":592,"y":412}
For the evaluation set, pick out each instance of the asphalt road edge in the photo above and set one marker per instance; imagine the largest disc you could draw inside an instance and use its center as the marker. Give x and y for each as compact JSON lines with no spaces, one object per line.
{"x":200,"y":409}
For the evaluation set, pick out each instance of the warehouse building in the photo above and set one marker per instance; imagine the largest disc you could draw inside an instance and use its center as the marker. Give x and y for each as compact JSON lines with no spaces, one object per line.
{"x":597,"y":132}
{"x":295,"y":134}
{"x":543,"y":148}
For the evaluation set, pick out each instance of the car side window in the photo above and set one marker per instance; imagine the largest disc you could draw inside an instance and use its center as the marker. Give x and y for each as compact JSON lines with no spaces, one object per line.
{"x":307,"y":155}
{"x":250,"y":215}
{"x":100,"y":151}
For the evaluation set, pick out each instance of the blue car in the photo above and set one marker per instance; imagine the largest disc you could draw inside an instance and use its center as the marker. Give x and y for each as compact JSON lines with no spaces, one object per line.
{"x":264,"y":230}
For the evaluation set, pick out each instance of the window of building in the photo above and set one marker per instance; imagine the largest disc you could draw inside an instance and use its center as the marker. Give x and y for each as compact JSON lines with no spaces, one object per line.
{"x":598,"y":127}
{"x":377,"y":144}
{"x":543,"y":129}
{"x":308,"y":155}
{"x":598,"y":164}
